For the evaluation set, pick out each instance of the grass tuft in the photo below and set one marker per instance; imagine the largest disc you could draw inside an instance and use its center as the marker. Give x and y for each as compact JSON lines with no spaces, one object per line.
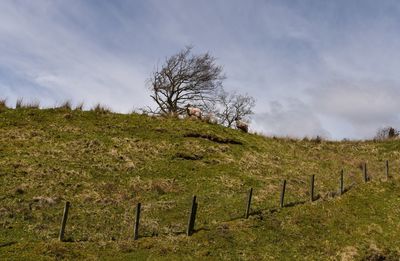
{"x":18,"y":104}
{"x":106,"y":165}
{"x":79,"y":106}
{"x":35,"y":104}
{"x":67,"y":106}
{"x":101,"y":109}
{"x":3,"y":105}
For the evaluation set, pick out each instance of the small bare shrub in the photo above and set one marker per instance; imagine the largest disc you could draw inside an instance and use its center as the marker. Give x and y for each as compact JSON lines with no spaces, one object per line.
{"x":66,"y":105}
{"x":19,"y":102}
{"x":317,"y":139}
{"x":101,"y":109}
{"x":3,"y":104}
{"x":30,"y":105}
{"x":387,"y":133}
{"x":79,"y":107}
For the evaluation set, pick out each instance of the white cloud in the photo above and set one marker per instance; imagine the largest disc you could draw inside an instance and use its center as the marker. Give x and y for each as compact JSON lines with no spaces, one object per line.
{"x":293,"y":119}
{"x":66,"y":64}
{"x":332,"y":67}
{"x":365,"y":106}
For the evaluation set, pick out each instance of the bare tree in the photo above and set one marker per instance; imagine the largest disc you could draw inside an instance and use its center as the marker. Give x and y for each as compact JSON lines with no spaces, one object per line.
{"x":387,"y":133}
{"x":185,"y":78}
{"x":233,"y":106}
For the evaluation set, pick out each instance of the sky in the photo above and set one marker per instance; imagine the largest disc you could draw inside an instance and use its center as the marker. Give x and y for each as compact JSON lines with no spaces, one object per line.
{"x":328,"y":68}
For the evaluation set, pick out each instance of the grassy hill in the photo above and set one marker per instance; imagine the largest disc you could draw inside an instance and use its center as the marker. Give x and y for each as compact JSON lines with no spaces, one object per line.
{"x":105,"y":163}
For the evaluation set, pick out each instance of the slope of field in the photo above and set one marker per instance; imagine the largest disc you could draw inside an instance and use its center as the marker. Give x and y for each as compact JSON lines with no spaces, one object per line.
{"x":105,"y":163}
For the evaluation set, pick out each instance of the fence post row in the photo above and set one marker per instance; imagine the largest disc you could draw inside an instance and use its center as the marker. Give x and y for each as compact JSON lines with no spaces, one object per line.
{"x":247,"y":214}
{"x":193,"y":210}
{"x":192,"y":217}
{"x":64,"y":221}
{"x":283,"y":194}
{"x":312,"y":188}
{"x":137,"y":221}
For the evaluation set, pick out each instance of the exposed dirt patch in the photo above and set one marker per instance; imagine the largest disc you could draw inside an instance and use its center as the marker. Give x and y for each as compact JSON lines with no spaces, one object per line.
{"x":213,"y":138}
{"x":188,"y":156}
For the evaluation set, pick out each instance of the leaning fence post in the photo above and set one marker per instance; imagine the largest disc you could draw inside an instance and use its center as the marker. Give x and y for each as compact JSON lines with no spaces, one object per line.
{"x":387,"y":169}
{"x":283,"y":193}
{"x":341,"y":183}
{"x":312,"y":188}
{"x":64,"y":221}
{"x":192,"y":217}
{"x":248,"y":203}
{"x":365,"y":172}
{"x":137,"y":221}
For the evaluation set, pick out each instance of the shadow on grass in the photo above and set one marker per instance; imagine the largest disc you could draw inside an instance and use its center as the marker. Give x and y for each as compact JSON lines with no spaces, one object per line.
{"x":265,"y":211}
{"x":346,"y":189}
{"x":260,"y":213}
{"x":8,"y":244}
{"x":178,"y":233}
{"x":293,"y":204}
{"x":200,"y":229}
{"x":316,"y":198}
{"x":335,"y":194}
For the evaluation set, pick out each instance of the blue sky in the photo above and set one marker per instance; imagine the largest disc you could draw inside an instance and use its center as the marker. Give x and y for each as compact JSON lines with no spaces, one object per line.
{"x":327,"y":68}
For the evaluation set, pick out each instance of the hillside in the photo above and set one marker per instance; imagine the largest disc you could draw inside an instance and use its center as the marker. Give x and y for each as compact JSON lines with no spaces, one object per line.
{"x":105,"y":163}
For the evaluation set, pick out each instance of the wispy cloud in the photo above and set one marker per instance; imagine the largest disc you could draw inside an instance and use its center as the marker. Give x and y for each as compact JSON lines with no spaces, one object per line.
{"x":315,"y":67}
{"x":289,"y":120}
{"x":40,"y":50}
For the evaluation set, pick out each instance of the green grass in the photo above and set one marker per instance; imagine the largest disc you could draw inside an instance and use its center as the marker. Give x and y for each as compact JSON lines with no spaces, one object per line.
{"x":104,"y":163}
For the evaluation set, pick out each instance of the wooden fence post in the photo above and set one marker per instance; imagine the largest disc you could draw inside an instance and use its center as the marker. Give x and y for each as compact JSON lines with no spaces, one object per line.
{"x":192,"y":217}
{"x":387,"y":169}
{"x":137,"y":221}
{"x":283,"y":193}
{"x":64,"y":221}
{"x":312,"y":188}
{"x":341,"y":183}
{"x":365,"y":172}
{"x":248,"y":203}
